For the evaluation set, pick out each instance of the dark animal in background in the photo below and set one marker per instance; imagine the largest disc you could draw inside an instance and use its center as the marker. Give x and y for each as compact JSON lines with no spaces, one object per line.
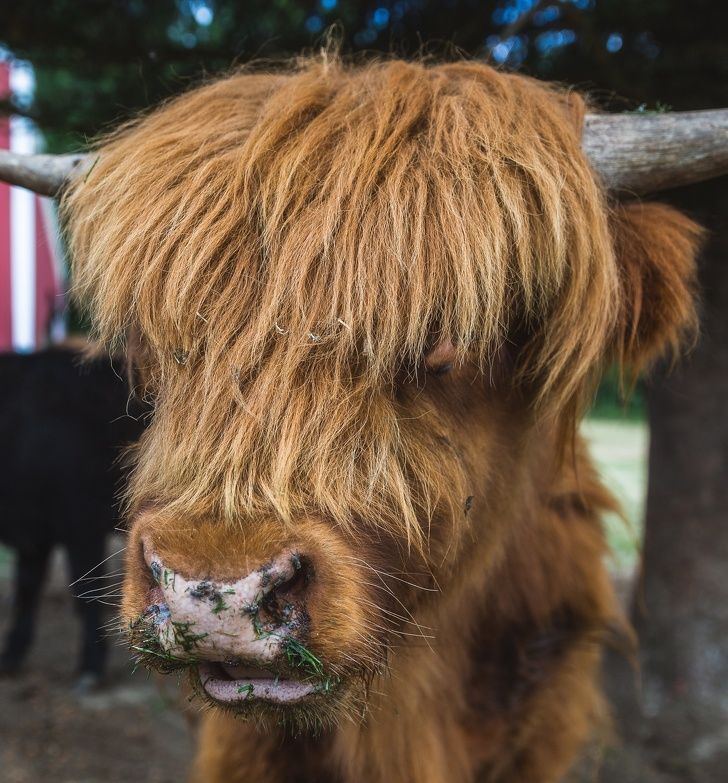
{"x":63,"y":425}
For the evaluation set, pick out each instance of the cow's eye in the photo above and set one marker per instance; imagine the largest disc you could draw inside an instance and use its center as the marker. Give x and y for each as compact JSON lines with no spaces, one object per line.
{"x":440,"y":369}
{"x":440,"y":359}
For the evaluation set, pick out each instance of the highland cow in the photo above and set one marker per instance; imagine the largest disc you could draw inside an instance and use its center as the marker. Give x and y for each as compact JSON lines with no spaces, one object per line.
{"x":370,"y":304}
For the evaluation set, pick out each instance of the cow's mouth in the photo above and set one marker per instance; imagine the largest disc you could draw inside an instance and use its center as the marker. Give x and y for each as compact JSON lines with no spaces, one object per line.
{"x":236,"y":685}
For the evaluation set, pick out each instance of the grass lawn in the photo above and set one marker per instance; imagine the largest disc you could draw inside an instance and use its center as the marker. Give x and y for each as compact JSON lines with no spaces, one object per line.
{"x":619,"y":448}
{"x":6,"y":562}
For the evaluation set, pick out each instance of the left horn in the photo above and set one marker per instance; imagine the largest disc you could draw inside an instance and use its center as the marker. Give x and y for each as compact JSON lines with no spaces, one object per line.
{"x":643,"y":153}
{"x":45,"y":174}
{"x":633,"y":153}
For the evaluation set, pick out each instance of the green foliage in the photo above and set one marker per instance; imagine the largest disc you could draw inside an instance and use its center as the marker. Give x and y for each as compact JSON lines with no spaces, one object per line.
{"x":99,"y":62}
{"x":674,"y":52}
{"x":614,"y":402}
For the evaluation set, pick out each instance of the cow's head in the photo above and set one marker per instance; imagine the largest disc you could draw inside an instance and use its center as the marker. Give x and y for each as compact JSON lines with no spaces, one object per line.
{"x":367,"y":304}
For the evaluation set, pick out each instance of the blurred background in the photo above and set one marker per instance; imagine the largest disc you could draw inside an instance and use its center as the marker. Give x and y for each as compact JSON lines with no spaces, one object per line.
{"x":70,"y":70}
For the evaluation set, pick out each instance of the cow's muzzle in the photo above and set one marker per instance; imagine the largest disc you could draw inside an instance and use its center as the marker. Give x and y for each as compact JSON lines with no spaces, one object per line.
{"x":248,"y":638}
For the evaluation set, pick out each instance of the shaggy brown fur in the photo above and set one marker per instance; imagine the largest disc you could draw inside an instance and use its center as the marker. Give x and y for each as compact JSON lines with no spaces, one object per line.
{"x":283,"y":252}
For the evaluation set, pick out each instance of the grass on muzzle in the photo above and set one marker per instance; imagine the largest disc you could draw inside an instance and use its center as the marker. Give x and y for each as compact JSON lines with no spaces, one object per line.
{"x":185,"y":637}
{"x":148,"y":651}
{"x":145,"y":643}
{"x":246,"y":689}
{"x":300,"y":657}
{"x":220,"y":605}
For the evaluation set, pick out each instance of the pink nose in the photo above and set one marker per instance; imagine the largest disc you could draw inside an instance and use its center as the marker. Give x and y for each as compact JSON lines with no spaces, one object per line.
{"x":250,"y":619}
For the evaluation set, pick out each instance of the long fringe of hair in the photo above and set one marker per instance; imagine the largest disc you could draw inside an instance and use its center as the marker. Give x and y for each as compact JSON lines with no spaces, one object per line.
{"x":284,"y":245}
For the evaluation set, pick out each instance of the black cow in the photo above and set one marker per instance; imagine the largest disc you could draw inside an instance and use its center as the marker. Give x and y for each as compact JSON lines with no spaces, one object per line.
{"x":64,"y":422}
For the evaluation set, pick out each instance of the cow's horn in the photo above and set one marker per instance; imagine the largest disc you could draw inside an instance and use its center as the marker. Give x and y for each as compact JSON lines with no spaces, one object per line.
{"x":646,"y":152}
{"x":45,"y":174}
{"x":635,"y":153}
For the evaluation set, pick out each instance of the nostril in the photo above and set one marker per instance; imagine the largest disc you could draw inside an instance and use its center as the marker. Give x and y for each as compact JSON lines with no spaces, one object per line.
{"x":294,"y":587}
{"x":285,"y":596}
{"x":156,"y":568}
{"x":151,"y":564}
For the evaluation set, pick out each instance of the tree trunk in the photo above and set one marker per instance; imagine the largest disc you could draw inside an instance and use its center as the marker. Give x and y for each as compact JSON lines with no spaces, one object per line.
{"x":675,"y":722}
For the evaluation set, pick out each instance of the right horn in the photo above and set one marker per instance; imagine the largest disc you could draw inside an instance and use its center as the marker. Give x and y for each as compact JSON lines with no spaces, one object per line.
{"x":45,"y":174}
{"x":643,"y":153}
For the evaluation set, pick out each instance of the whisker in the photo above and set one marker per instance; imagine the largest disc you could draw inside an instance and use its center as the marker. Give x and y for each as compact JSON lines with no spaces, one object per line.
{"x":113,"y":554}
{"x":100,"y":589}
{"x":107,"y":575}
{"x":116,"y":589}
{"x":396,"y":616}
{"x":392,"y":576}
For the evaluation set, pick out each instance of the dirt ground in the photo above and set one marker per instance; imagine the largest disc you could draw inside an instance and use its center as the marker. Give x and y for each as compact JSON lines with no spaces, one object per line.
{"x":126,"y":732}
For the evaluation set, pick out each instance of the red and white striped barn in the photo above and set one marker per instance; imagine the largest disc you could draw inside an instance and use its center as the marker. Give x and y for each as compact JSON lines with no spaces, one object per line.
{"x":31,"y":279}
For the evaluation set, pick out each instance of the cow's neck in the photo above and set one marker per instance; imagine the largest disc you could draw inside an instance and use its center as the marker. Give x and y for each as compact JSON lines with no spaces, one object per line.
{"x":450,"y":706}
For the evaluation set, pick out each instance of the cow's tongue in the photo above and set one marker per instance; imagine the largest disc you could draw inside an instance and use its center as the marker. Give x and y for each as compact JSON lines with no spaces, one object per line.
{"x":236,"y":684}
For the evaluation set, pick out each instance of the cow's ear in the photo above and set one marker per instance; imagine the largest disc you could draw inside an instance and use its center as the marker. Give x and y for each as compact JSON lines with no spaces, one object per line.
{"x":656,"y":248}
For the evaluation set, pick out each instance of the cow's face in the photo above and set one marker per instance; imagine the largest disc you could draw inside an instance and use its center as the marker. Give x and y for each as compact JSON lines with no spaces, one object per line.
{"x":291,"y":617}
{"x":363,"y":304}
